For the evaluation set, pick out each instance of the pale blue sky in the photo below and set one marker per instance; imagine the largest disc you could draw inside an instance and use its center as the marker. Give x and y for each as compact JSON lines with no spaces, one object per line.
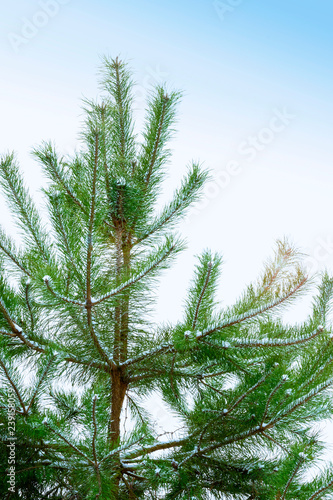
{"x":239,"y":71}
{"x":238,"y":66}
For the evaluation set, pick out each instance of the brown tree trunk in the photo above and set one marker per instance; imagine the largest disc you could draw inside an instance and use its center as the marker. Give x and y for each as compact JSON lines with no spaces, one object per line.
{"x":119,"y":388}
{"x":118,"y":383}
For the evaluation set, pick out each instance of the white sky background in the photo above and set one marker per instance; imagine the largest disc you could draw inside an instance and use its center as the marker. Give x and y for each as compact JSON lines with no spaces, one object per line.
{"x":236,"y":69}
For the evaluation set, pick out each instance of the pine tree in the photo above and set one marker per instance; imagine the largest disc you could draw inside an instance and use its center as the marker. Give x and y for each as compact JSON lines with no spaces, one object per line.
{"x":80,"y":353}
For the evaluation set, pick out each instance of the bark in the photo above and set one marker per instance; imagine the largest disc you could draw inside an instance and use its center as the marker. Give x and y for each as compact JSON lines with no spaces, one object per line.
{"x":119,"y":384}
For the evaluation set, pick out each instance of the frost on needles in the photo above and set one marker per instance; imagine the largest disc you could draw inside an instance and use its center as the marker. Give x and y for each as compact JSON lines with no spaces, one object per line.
{"x":81,"y":355}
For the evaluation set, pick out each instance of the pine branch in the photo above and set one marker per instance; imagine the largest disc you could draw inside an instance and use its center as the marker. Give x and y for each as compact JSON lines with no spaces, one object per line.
{"x":118,"y":84}
{"x":103,"y":110}
{"x":155,"y":261}
{"x":98,"y":473}
{"x":280,"y":268}
{"x":321,"y":490}
{"x":148,"y":355}
{"x":71,"y":445}
{"x":156,"y":447}
{"x":95,"y":428}
{"x":233,"y":439}
{"x":227,"y":411}
{"x":8,"y":247}
{"x":47,"y":157}
{"x":157,"y":139}
{"x":90,"y":230}
{"x":47,"y":280}
{"x":65,"y":238}
{"x":208,"y":273}
{"x":158,"y":131}
{"x":10,"y":380}
{"x":302,"y":400}
{"x":26,"y":292}
{"x":120,"y":98}
{"x":296,"y":469}
{"x":40,"y":381}
{"x":37,"y":348}
{"x":317,"y":374}
{"x":275,"y":442}
{"x":22,"y":204}
{"x":277,"y":342}
{"x":17,"y":330}
{"x":88,"y":304}
{"x":117,"y":450}
{"x":136,"y":407}
{"x":270,"y":397}
{"x":253,"y":313}
{"x":187,"y":194}
{"x":129,"y":488}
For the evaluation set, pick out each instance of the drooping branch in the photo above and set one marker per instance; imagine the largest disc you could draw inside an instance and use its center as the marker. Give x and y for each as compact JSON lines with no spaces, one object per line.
{"x":35,"y":347}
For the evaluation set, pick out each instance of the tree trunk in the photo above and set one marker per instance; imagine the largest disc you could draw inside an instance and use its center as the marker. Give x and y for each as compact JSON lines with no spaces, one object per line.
{"x":118,"y":383}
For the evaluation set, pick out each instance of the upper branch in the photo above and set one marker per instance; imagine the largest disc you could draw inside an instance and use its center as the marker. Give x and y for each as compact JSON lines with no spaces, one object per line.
{"x":209,"y":270}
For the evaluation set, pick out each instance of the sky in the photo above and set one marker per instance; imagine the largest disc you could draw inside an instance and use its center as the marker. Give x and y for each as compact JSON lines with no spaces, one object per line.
{"x":256,"y":77}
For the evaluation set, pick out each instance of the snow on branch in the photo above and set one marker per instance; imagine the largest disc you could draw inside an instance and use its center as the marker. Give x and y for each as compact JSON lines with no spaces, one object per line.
{"x":47,"y":281}
{"x":253,"y":312}
{"x":277,"y":342}
{"x":147,"y":270}
{"x":302,"y":400}
{"x":148,"y":354}
{"x":17,"y":330}
{"x":156,"y":447}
